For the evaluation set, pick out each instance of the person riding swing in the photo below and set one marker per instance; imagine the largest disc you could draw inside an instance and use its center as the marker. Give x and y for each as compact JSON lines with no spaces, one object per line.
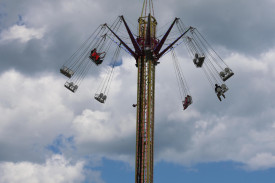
{"x":219,"y":92}
{"x":95,"y":56}
{"x":187,"y":102}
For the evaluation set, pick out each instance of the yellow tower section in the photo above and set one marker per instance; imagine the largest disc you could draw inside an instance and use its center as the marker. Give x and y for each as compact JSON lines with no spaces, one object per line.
{"x":145,"y":100}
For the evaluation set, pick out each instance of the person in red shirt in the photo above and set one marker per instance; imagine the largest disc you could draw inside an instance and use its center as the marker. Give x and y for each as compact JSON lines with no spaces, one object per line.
{"x":93,"y":53}
{"x":187,"y":102}
{"x":96,"y":57}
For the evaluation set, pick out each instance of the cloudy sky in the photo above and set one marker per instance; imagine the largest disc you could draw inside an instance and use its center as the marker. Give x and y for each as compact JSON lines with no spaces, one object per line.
{"x":49,"y":134}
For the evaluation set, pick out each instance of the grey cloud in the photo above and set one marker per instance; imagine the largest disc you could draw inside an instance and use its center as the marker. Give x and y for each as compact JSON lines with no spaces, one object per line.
{"x":241,"y":26}
{"x":184,"y":137}
{"x":66,"y":28}
{"x":202,"y":132}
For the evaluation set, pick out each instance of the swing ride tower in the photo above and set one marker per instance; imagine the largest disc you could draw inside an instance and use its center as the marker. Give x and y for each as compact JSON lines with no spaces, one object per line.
{"x":146,"y":48}
{"x":145,"y":100}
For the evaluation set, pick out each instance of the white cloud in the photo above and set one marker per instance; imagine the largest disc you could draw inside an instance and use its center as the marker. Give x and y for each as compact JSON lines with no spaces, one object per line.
{"x":21,"y":33}
{"x":237,"y":129}
{"x":33,"y":111}
{"x":36,"y":110}
{"x":261,"y":161}
{"x":100,"y":127}
{"x":56,"y":169}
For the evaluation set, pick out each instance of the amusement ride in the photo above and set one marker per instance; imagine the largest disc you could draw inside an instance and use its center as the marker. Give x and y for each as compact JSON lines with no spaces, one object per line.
{"x":146,"y":46}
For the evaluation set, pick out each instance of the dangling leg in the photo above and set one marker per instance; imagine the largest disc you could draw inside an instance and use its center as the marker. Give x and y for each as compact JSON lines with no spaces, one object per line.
{"x":219,"y":96}
{"x":185,"y":107}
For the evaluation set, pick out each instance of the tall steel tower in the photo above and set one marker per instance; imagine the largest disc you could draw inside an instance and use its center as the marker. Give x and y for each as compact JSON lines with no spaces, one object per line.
{"x":146,"y":63}
{"x":145,"y":100}
{"x":147,"y":53}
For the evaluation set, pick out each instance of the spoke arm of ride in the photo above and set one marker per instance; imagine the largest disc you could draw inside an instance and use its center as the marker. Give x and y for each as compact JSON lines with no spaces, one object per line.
{"x":134,"y":42}
{"x":123,"y":43}
{"x":172,"y":44}
{"x":159,"y":46}
{"x":119,"y":44}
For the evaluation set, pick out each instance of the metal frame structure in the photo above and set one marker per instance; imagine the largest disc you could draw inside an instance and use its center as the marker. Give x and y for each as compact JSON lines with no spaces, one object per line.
{"x":145,"y":101}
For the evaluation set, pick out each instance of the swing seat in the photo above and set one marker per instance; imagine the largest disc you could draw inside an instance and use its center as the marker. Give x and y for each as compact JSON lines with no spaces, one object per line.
{"x":220,"y":90}
{"x":97,"y":62}
{"x":198,"y":60}
{"x":224,"y":88}
{"x":66,"y":71}
{"x":187,"y":101}
{"x":71,"y":86}
{"x":100,"y":97}
{"x":226,"y":74}
{"x":96,"y":57}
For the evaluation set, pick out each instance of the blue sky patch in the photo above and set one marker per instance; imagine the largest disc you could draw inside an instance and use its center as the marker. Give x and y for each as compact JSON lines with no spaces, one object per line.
{"x":20,"y":21}
{"x":60,"y":143}
{"x":222,"y":172}
{"x":116,"y":171}
{"x":118,"y":63}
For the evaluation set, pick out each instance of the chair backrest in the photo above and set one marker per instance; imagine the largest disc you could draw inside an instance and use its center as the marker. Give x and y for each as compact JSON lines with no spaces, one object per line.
{"x":102,"y":55}
{"x":70,"y":71}
{"x":189,"y":99}
{"x":227,"y":70}
{"x":201,"y":59}
{"x":224,"y":87}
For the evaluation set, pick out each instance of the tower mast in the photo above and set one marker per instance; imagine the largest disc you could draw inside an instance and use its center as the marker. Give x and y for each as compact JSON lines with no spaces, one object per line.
{"x":145,"y":96}
{"x":147,"y":51}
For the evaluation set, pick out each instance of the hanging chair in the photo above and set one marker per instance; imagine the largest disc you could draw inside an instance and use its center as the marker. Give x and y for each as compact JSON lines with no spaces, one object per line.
{"x":187,"y":101}
{"x":71,"y":86}
{"x":100,"y":97}
{"x":97,"y":57}
{"x":198,"y":60}
{"x":66,"y":71}
{"x":226,"y":74}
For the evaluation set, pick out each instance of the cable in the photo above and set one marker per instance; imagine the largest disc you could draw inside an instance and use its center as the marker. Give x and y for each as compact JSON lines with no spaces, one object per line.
{"x":104,"y":86}
{"x":182,"y":84}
